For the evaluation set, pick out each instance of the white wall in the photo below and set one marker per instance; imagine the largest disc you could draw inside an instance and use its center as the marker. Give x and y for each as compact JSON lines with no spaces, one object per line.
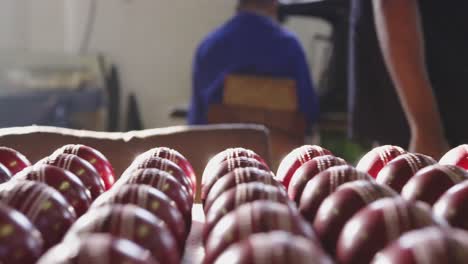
{"x":153,"y":44}
{"x":31,"y":25}
{"x":317,"y":52}
{"x":14,"y":22}
{"x":151,"y":41}
{"x":46,"y":25}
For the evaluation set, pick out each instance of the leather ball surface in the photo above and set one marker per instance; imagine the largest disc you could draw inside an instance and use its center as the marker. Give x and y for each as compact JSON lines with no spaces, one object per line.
{"x":236,"y":177}
{"x":398,"y":171}
{"x":241,"y":194}
{"x":167,"y":166}
{"x":95,"y":158}
{"x":430,"y":183}
{"x":338,"y":208}
{"x":427,"y":245}
{"x":275,"y":247}
{"x":132,"y":223}
{"x":453,"y":206}
{"x":308,"y":171}
{"x":20,"y":241}
{"x":81,"y":168}
{"x":252,"y":218}
{"x":377,"y":225}
{"x":65,"y":182}
{"x":377,"y":158}
{"x":295,"y":159}
{"x":176,"y":157}
{"x":324,"y":184}
{"x":45,"y":207}
{"x":13,"y":160}
{"x":165,"y":183}
{"x":225,"y":167}
{"x":230,"y":153}
{"x":456,"y":156}
{"x":5,"y":174}
{"x":151,"y":199}
{"x":98,"y":248}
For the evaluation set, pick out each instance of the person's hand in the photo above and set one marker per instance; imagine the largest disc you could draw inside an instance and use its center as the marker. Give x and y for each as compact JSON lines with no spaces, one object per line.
{"x":425,"y":143}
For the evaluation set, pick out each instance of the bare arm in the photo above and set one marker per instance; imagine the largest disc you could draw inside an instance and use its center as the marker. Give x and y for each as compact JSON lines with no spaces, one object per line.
{"x":401,"y":40}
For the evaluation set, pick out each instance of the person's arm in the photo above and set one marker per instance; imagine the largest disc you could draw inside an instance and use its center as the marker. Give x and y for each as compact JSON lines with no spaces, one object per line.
{"x":398,"y":26}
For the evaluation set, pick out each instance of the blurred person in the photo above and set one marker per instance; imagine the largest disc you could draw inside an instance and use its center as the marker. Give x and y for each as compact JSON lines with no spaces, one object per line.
{"x":409,"y":73}
{"x":252,"y":43}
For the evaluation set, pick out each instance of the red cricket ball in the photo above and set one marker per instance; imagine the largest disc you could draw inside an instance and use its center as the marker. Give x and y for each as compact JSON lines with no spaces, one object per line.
{"x":236,"y":177}
{"x":309,"y":170}
{"x":132,"y":223}
{"x":231,"y":153}
{"x":222,"y":169}
{"x":20,"y":241}
{"x":13,"y":160}
{"x":61,"y":180}
{"x":45,"y":207}
{"x":167,"y":184}
{"x":274,"y":247}
{"x":430,"y":183}
{"x":164,"y":165}
{"x":453,"y":206}
{"x":398,"y":171}
{"x":252,"y":218}
{"x":98,"y":248}
{"x":81,"y":168}
{"x":457,"y":156}
{"x":324,"y":184}
{"x":377,"y":158}
{"x":427,"y":245}
{"x":377,"y":225}
{"x":461,"y":236}
{"x":295,"y":159}
{"x":5,"y":174}
{"x":152,"y":200}
{"x":95,"y":158}
{"x":176,"y":157}
{"x":336,"y":210}
{"x":241,"y":194}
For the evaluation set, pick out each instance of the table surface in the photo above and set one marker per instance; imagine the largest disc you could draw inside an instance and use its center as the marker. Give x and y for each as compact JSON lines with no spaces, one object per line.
{"x":194,"y":251}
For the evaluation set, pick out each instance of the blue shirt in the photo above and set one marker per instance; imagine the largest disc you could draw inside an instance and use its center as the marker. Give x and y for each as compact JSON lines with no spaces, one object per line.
{"x":249,"y":44}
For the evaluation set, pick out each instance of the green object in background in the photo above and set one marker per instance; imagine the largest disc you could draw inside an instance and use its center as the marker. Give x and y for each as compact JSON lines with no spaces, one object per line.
{"x":341,"y":146}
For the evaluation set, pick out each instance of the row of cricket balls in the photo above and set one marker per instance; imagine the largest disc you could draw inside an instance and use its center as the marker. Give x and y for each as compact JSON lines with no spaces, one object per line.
{"x":346,"y":206}
{"x":298,"y":171}
{"x":64,"y":203}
